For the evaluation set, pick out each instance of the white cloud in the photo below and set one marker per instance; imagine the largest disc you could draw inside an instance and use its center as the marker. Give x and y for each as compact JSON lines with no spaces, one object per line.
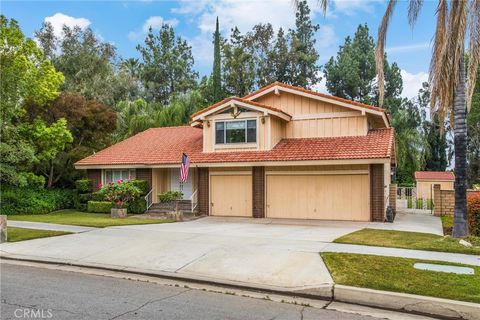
{"x":244,"y":15}
{"x":154,"y":22}
{"x":409,"y":48}
{"x":58,"y":20}
{"x":351,"y":7}
{"x":412,"y":82}
{"x":321,"y":86}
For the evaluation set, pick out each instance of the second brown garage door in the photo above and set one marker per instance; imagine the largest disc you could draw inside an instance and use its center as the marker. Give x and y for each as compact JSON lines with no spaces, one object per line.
{"x":329,"y":197}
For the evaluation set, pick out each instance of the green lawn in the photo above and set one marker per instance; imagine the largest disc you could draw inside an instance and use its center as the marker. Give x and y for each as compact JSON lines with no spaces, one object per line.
{"x":20,"y":234}
{"x":447,"y":224}
{"x":409,"y":240}
{"x":86,"y":219}
{"x":398,"y":274}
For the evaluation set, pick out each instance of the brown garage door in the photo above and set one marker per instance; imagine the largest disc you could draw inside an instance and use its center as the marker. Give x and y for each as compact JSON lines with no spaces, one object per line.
{"x":329,"y":197}
{"x":231,"y":195}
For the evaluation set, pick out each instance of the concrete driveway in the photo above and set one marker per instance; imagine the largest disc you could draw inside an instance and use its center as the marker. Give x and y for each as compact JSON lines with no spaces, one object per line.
{"x":282,"y":255}
{"x":275,"y":254}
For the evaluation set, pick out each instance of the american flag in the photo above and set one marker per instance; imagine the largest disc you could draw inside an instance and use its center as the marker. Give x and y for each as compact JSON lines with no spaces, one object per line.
{"x":184,"y":167}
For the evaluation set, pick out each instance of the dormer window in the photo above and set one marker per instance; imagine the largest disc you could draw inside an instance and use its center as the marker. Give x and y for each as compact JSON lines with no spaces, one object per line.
{"x":236,"y":131}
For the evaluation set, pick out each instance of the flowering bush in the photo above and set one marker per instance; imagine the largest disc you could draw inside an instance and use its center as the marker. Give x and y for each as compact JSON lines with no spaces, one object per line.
{"x":473,"y":213}
{"x":120,"y":192}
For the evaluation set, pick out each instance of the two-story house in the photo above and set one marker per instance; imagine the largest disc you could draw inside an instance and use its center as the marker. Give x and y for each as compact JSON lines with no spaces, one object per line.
{"x":279,"y":152}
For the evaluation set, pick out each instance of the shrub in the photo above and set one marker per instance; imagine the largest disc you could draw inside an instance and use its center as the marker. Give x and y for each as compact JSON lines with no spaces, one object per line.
{"x":99,"y":206}
{"x":170,"y":196}
{"x":84,"y":186}
{"x":138,"y":205}
{"x":34,"y":201}
{"x":98,"y":196}
{"x":142,"y":185}
{"x":85,"y":197}
{"x":121,"y":192}
{"x":473,"y":213}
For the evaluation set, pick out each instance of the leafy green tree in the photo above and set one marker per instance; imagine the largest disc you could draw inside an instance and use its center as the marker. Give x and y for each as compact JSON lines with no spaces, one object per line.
{"x":26,"y":76}
{"x":304,"y":69}
{"x":217,"y":68}
{"x":91,"y":124}
{"x":87,"y":63}
{"x":139,"y":115}
{"x":408,"y":140}
{"x":166,"y":65}
{"x":48,"y":142}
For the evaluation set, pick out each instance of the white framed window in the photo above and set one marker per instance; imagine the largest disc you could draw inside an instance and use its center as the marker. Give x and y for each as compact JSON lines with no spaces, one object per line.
{"x":114,"y":175}
{"x":236,"y":131}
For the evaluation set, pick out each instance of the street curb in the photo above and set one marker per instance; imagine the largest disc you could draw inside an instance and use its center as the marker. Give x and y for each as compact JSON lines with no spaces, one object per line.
{"x":405,"y":302}
{"x":324,"y":292}
{"x":394,"y":301}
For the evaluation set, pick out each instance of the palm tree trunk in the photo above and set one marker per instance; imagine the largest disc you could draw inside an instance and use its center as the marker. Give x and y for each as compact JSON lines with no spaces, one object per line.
{"x":460,"y":226}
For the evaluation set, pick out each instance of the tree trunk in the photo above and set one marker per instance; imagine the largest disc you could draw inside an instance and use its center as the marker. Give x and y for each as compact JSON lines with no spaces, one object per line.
{"x":50,"y":175}
{"x":460,"y":226}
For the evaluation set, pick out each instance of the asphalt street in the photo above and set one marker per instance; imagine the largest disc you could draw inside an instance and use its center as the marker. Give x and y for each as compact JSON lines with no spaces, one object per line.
{"x":36,"y":293}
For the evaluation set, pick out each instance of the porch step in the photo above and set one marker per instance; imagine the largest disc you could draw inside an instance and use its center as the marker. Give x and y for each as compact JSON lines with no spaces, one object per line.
{"x":164,"y":207}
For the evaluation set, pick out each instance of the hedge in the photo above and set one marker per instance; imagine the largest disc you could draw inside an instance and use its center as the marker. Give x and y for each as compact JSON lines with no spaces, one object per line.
{"x":99,"y":206}
{"x":34,"y":201}
{"x":84,"y":186}
{"x":473,"y":213}
{"x":138,"y":205}
{"x":170,"y":196}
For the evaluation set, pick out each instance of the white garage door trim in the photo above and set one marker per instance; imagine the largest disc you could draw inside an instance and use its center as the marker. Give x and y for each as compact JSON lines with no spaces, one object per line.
{"x":366,"y":192}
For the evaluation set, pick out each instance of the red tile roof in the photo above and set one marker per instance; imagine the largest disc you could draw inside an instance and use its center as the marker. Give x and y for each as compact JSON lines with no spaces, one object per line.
{"x":158,"y":146}
{"x":261,"y":105}
{"x":359,"y":104}
{"x":434,"y":175}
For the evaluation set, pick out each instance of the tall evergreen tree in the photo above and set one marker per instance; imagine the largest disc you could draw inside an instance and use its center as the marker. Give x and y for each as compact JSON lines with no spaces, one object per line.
{"x":167,"y":65}
{"x":238,"y":65}
{"x":304,"y":69}
{"x":351,"y":74}
{"x":217,"y":73}
{"x":280,"y":58}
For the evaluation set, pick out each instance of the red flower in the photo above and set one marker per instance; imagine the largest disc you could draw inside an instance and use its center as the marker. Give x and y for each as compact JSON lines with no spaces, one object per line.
{"x":100,"y":184}
{"x":120,"y":181}
{"x":130,"y":177}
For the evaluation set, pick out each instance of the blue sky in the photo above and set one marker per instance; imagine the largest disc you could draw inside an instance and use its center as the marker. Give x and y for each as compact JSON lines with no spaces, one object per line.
{"x":123,"y":23}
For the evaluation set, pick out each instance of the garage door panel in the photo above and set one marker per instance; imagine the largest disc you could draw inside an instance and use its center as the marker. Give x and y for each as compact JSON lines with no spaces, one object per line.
{"x":231,"y":195}
{"x":329,"y":197}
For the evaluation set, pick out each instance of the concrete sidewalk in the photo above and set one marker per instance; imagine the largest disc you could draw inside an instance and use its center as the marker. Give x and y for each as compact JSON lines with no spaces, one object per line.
{"x":48,"y":226}
{"x":468,"y":259}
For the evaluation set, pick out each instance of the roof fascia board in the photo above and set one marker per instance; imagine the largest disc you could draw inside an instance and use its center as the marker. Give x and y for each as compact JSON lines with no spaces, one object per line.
{"x":242,"y":104}
{"x":242,"y":164}
{"x":313,"y":96}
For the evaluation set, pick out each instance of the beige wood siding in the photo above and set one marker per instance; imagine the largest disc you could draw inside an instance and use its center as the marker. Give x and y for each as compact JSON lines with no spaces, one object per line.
{"x":231,"y":194}
{"x":331,"y":127}
{"x":323,"y":196}
{"x":425,"y":188}
{"x":277,"y":132}
{"x":298,"y":105}
{"x":160,"y":182}
{"x":338,"y":123}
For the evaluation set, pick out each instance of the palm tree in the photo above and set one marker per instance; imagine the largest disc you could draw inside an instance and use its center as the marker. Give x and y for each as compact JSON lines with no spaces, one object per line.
{"x":457,"y":20}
